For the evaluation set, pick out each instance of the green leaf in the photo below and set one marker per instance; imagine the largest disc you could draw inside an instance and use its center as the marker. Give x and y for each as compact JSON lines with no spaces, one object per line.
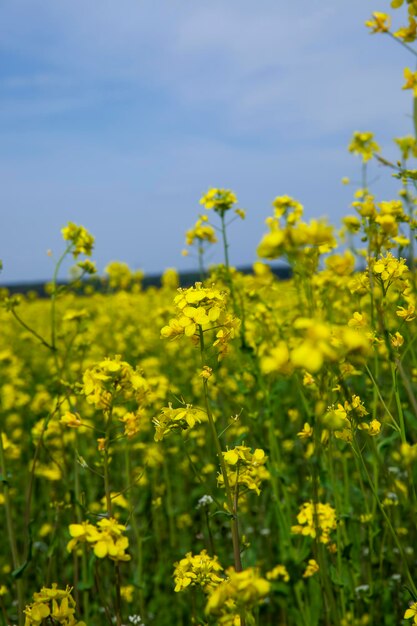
{"x":18,"y":572}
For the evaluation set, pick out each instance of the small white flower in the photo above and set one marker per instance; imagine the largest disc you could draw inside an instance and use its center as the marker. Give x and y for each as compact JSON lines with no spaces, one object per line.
{"x":136,"y":619}
{"x":204,"y":501}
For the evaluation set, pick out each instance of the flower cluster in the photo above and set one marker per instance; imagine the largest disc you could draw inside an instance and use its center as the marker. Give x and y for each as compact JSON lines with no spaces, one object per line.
{"x":120,"y":276}
{"x":110,"y":379}
{"x":220,"y":200}
{"x":294,"y":238}
{"x":56,"y":605}
{"x":318,"y":343}
{"x":81,"y":240}
{"x":133,"y":422}
{"x":245,"y":469}
{"x":363,"y":143}
{"x":380,"y":22}
{"x":346,"y":418}
{"x":202,"y":231}
{"x":388,"y":270}
{"x":106,"y":539}
{"x":243,"y":589}
{"x":315,"y":520}
{"x":201,"y":309}
{"x":199,"y":570}
{"x":311,"y":569}
{"x":279,"y":572}
{"x":181,"y":419}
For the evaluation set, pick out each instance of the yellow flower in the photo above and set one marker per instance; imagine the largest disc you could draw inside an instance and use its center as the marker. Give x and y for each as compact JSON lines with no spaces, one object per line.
{"x":200,"y":570}
{"x":242,"y":589}
{"x":311,"y":569}
{"x":397,"y":340}
{"x":306,"y":432}
{"x":279,"y":571}
{"x":315,"y":519}
{"x":127,"y":592}
{"x":410,"y":81}
{"x":363,"y":144}
{"x":357,"y":321}
{"x":387,"y":268}
{"x":220,"y":200}
{"x":206,"y":372}
{"x":408,"y":33}
{"x":202,"y":232}
{"x":408,"y":314}
{"x":200,"y":309}
{"x":380,"y":24}
{"x":245,"y":469}
{"x":411,"y":612}
{"x":72,"y":420}
{"x":407,"y":145}
{"x":106,"y":539}
{"x":182,"y":419}
{"x":374,"y":427}
{"x":81,"y":240}
{"x":56,"y":604}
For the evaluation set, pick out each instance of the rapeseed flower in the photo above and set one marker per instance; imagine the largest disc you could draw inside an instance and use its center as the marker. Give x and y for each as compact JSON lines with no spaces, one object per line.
{"x":277,"y":573}
{"x":81,"y":240}
{"x":202,"y":231}
{"x":311,"y":569}
{"x":245,"y":469}
{"x":181,"y":419}
{"x":363,"y":143}
{"x":410,"y":80}
{"x":198,"y":570}
{"x":315,"y":520}
{"x":203,"y":308}
{"x":241,"y":589}
{"x":220,"y":200}
{"x":380,"y":23}
{"x":106,"y":539}
{"x":56,"y":604}
{"x":411,"y":612}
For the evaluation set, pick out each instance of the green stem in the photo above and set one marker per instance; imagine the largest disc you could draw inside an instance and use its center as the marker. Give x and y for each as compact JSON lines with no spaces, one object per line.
{"x":402,"y":43}
{"x":135,"y":528}
{"x":227,"y":263}
{"x":31,"y":330}
{"x":53,"y":302}
{"x":388,"y":521}
{"x":11,"y":530}
{"x":84,"y":570}
{"x":109,"y":507}
{"x":200,"y":252}
{"x":398,"y":402}
{"x":231,"y":504}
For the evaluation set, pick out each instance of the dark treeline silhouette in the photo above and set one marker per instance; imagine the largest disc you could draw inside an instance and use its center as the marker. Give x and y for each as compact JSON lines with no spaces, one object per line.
{"x":152,"y":280}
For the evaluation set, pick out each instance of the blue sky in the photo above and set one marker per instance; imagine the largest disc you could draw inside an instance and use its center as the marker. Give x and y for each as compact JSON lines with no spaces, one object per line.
{"x":119,"y":115}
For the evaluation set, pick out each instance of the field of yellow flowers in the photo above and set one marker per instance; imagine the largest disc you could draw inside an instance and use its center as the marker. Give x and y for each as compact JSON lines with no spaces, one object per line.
{"x":237,"y":452}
